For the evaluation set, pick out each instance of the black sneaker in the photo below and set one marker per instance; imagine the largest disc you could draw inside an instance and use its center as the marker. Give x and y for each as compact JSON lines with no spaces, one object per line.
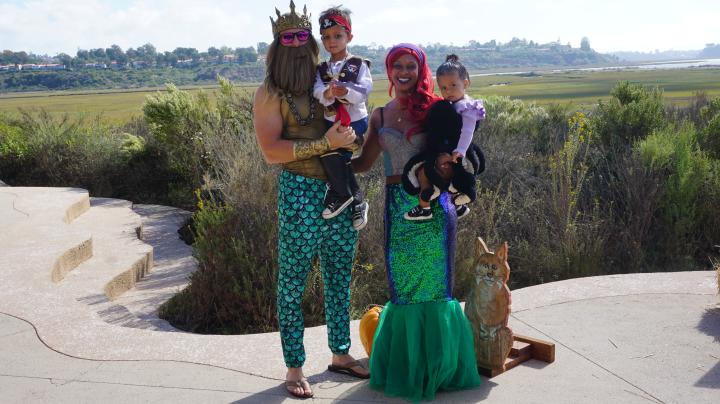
{"x":418,"y":213}
{"x":359,"y":216}
{"x":462,"y":211}
{"x":335,"y":206}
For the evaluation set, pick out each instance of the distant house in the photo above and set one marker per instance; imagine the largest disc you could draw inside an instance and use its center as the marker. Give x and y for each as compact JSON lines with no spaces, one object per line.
{"x":52,"y":66}
{"x":228,"y":58}
{"x":95,"y":66}
{"x":10,"y":68}
{"x":140,"y":64}
{"x":184,"y":63}
{"x":33,"y":67}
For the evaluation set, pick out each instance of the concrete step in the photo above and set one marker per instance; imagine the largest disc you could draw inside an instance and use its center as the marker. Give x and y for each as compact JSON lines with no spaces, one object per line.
{"x":172,"y":265}
{"x":119,"y":259}
{"x":36,"y":232}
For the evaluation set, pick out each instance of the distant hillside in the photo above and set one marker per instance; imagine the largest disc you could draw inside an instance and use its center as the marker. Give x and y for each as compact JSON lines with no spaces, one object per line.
{"x":711,"y":51}
{"x":493,"y":55}
{"x":145,"y":67}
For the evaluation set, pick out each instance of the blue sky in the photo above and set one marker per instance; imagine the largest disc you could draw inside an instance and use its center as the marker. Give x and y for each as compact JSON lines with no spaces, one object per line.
{"x":53,"y":26}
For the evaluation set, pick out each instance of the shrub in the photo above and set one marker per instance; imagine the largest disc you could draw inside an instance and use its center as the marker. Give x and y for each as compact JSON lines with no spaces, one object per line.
{"x":13,"y":149}
{"x":631,"y":114}
{"x":65,"y":152}
{"x":709,"y":136}
{"x":233,"y":288}
{"x":674,"y":154}
{"x":175,"y":119}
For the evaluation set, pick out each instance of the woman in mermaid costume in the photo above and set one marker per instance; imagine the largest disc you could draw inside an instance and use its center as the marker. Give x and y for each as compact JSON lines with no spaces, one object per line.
{"x":423,"y":342}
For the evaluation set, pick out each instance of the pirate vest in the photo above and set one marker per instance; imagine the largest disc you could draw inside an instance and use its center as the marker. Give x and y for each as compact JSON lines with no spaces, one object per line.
{"x":348,"y":73}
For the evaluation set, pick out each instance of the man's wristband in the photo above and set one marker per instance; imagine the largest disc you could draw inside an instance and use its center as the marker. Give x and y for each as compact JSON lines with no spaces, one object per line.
{"x":304,"y":149}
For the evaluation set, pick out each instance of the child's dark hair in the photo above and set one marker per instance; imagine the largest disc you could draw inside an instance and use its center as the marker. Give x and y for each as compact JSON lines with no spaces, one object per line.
{"x":452,"y":65}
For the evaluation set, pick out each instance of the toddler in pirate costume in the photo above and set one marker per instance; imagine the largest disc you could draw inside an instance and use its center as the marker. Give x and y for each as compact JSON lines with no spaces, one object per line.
{"x":342,"y":85}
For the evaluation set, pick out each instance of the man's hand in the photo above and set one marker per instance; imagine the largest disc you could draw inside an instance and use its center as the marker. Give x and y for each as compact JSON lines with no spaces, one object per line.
{"x":340,"y":136}
{"x":456,"y":157}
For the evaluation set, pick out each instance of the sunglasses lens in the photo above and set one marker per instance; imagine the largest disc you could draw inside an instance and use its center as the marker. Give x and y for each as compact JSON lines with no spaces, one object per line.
{"x":287,"y":38}
{"x":302,"y":36}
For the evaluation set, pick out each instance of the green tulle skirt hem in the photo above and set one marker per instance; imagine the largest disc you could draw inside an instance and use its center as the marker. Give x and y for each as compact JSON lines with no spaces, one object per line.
{"x":422,"y":348}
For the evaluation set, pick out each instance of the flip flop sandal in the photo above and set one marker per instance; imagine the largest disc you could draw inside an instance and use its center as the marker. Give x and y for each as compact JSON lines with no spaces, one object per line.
{"x":346,"y":369}
{"x":298,"y":383}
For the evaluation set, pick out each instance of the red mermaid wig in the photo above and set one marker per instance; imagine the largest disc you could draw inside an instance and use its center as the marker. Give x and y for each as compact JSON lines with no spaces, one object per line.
{"x":423,"y":97}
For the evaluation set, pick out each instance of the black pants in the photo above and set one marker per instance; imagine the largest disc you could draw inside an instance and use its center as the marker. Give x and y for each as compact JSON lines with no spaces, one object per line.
{"x":341,"y":178}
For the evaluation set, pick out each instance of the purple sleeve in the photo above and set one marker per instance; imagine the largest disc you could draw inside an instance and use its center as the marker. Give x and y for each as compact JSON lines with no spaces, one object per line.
{"x":466,"y":134}
{"x":471,"y":111}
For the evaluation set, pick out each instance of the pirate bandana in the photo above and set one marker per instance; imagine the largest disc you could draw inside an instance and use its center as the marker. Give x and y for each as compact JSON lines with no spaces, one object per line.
{"x":333,"y":18}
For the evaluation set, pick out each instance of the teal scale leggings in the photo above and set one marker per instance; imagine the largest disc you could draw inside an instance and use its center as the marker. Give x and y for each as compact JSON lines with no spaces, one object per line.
{"x":302,"y":235}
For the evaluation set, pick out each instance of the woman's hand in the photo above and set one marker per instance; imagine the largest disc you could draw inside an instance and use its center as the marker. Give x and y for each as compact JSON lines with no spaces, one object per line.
{"x":442,"y":165}
{"x":339,"y":136}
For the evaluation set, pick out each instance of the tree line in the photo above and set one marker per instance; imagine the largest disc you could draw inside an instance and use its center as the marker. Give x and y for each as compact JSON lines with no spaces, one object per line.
{"x":146,"y":54}
{"x":475,"y":55}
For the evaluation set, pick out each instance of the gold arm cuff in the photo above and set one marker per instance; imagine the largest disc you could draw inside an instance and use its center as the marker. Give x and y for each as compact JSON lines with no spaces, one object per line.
{"x":304,"y":149}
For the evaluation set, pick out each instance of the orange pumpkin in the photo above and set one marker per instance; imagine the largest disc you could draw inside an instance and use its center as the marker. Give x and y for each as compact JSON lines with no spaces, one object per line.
{"x":368,"y":325}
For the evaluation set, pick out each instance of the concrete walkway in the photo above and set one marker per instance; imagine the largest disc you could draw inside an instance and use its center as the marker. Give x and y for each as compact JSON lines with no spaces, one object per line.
{"x":634,"y":338}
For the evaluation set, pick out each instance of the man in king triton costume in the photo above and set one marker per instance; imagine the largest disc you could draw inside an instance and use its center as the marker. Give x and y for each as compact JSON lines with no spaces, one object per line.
{"x":291,"y":132}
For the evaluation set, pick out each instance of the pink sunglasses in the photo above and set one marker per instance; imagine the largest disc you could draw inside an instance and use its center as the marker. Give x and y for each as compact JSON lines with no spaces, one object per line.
{"x":288,"y":37}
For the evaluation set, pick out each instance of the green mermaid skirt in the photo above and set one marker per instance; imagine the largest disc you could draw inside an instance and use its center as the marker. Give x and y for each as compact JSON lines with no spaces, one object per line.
{"x":422,"y":348}
{"x":423,"y":342}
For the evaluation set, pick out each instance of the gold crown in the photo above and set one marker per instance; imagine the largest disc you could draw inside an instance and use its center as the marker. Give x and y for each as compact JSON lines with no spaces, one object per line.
{"x":290,"y":20}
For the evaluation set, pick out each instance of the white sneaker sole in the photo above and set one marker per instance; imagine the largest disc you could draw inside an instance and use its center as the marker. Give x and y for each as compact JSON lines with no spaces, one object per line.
{"x":359,"y":225}
{"x":326,"y":214}
{"x":418,"y":218}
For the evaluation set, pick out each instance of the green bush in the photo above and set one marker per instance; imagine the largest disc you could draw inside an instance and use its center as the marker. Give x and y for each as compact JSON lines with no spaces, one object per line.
{"x":234,"y":286}
{"x":13,"y":149}
{"x":709,"y":136}
{"x":631,"y":114}
{"x":675,"y":155}
{"x":37,"y":149}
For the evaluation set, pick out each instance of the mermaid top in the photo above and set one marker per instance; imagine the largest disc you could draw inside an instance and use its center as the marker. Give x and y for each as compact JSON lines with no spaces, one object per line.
{"x":397,"y":149}
{"x":292,"y":130}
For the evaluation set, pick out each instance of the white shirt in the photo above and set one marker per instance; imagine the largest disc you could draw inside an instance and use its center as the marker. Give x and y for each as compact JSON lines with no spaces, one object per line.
{"x":356,"y":98}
